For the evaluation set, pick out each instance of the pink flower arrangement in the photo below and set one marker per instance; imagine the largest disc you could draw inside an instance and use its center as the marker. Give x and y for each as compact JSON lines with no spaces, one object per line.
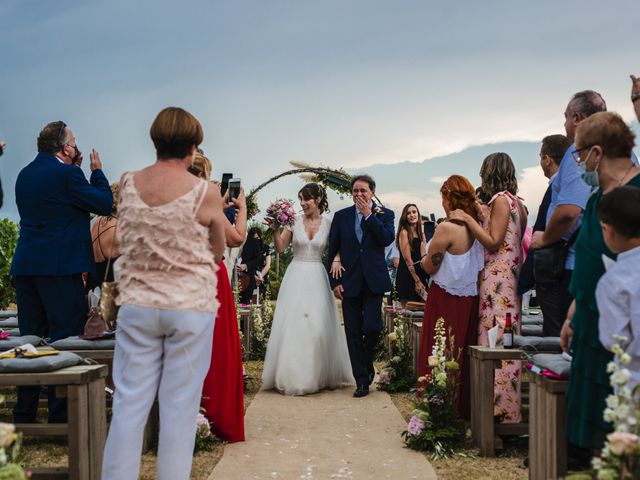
{"x":282,"y":212}
{"x":416,"y":425}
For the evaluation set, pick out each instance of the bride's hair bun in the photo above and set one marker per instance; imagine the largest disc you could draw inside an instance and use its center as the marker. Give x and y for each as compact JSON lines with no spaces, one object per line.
{"x":315,"y":191}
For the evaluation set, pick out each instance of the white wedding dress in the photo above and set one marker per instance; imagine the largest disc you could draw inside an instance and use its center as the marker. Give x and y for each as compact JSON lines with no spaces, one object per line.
{"x":307,"y":349}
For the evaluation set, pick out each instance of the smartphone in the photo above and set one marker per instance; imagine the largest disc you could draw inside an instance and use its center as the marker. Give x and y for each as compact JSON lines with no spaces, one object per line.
{"x":224,"y":184}
{"x":234,"y":188}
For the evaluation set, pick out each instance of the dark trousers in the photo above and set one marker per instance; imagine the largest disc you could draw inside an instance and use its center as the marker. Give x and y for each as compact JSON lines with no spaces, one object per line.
{"x":362,"y":324}
{"x":54,"y":308}
{"x":554,"y":299}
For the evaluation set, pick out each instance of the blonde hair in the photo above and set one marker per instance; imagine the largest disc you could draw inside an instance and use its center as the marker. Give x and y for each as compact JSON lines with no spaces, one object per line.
{"x":201,"y":166}
{"x":115,"y":192}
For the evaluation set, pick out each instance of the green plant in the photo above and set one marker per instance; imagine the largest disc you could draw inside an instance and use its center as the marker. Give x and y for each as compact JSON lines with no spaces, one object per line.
{"x":434,"y":425}
{"x":261,"y":320}
{"x":396,"y":375}
{"x":8,"y":240}
{"x":205,"y":439}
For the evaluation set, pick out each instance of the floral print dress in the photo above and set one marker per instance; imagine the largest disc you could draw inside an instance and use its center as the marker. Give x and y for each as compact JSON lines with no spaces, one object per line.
{"x":498,"y":294}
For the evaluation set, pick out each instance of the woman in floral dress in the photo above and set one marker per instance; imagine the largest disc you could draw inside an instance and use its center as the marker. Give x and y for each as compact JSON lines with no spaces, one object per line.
{"x":501,"y":235}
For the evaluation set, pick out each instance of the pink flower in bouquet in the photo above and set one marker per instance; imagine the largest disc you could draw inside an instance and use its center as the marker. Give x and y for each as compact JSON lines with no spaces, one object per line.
{"x":282,"y":212}
{"x":433,"y":361}
{"x":384,"y":377}
{"x":416,"y":425}
{"x":622,"y":443}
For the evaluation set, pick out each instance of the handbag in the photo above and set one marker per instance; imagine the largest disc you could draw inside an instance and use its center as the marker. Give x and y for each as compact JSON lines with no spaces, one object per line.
{"x":108,"y":293}
{"x":548,"y":262}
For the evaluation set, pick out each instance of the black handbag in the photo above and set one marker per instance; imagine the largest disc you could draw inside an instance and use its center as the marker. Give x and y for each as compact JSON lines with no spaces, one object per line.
{"x":548,"y":262}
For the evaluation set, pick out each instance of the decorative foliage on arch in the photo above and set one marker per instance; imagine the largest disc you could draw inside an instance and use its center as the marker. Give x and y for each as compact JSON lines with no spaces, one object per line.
{"x":335,"y":179}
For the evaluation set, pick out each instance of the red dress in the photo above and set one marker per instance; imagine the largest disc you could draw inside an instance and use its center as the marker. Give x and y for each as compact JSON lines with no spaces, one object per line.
{"x":223,"y":389}
{"x":461,"y":315}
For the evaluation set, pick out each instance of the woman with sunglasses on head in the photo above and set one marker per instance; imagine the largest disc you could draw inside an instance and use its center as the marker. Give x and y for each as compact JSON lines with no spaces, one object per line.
{"x":454,"y":259}
{"x":223,"y":389}
{"x":411,"y":280}
{"x":603,"y":148}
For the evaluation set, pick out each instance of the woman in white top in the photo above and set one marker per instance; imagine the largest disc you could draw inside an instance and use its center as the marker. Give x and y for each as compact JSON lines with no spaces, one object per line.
{"x":454,"y":259}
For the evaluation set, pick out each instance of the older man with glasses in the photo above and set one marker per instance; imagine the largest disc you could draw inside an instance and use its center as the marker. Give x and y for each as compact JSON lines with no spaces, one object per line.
{"x":54,"y":200}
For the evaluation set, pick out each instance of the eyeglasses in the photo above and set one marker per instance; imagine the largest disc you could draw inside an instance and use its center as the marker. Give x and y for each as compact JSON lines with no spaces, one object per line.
{"x":576,"y":154}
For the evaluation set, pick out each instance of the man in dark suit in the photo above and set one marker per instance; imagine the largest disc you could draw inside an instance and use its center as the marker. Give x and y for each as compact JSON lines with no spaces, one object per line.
{"x":360,"y":234}
{"x":54,"y":248}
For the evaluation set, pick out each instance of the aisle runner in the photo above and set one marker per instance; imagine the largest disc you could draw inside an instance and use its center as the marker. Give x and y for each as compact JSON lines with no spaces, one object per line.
{"x":329,"y":435}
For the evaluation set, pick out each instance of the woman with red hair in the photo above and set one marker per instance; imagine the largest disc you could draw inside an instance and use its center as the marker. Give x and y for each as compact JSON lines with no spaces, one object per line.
{"x":454,"y":259}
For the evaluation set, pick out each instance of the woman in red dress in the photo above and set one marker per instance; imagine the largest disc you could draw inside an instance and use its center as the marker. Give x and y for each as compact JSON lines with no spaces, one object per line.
{"x":454,"y":259}
{"x":223,"y":389}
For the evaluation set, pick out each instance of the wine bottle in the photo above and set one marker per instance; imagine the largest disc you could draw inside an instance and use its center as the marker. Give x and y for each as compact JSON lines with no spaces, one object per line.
{"x":507,"y":336}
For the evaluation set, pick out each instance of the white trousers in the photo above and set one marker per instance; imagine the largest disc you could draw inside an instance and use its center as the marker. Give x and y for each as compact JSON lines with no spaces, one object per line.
{"x":163,"y":352}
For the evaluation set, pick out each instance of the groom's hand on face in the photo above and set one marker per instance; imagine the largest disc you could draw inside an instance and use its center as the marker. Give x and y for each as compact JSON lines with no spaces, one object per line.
{"x":363,"y":206}
{"x":337,"y":291}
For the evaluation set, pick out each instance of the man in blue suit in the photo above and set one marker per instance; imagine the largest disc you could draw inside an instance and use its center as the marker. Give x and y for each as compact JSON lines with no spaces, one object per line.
{"x":54,"y":248}
{"x":360,"y":234}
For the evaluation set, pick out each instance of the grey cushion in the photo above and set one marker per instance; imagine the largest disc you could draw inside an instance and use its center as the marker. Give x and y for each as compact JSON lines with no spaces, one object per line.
{"x":77,"y":343}
{"x":537,"y":344}
{"x":40,"y":364}
{"x":529,"y":319}
{"x":554,"y":362}
{"x":13,"y":342}
{"x":531,"y":330}
{"x":413,"y":315}
{"x":8,"y":313}
{"x":13,"y":332}
{"x":10,"y":322}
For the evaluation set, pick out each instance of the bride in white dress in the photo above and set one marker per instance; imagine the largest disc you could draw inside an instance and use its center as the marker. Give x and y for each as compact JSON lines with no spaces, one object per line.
{"x":307,"y":349}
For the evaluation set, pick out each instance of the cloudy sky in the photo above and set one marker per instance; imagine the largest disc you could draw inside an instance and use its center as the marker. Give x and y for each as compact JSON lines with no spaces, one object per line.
{"x":338,"y":83}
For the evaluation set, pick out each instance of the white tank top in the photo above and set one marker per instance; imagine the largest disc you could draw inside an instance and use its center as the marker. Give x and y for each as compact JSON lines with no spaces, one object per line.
{"x":458,"y":274}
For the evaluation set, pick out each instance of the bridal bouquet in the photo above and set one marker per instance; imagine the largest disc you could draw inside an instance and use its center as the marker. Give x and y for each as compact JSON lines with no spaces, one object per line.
{"x":282,"y":212}
{"x":620,"y":457}
{"x":434,"y":424}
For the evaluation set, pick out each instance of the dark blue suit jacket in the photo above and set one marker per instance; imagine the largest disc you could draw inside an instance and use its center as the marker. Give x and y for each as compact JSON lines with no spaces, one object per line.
{"x":363,"y":262}
{"x":54,"y":201}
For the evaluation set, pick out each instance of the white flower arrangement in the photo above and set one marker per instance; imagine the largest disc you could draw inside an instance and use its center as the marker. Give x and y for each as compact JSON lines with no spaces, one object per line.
{"x":620,"y":457}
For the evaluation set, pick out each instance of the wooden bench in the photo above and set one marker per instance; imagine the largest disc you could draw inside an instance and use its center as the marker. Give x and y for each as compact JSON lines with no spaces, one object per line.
{"x":416,"y":331}
{"x":547,"y":417}
{"x":83,"y":386}
{"x":486,"y":432}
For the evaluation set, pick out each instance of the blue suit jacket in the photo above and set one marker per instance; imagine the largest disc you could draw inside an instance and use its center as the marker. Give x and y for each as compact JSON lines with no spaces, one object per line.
{"x":54,"y":201}
{"x":363,"y":262}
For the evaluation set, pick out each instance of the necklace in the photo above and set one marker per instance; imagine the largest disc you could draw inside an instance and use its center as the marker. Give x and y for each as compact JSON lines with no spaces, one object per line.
{"x":625,"y":174}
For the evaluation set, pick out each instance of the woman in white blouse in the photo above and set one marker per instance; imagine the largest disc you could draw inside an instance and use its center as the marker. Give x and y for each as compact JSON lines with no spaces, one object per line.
{"x":454,"y":259}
